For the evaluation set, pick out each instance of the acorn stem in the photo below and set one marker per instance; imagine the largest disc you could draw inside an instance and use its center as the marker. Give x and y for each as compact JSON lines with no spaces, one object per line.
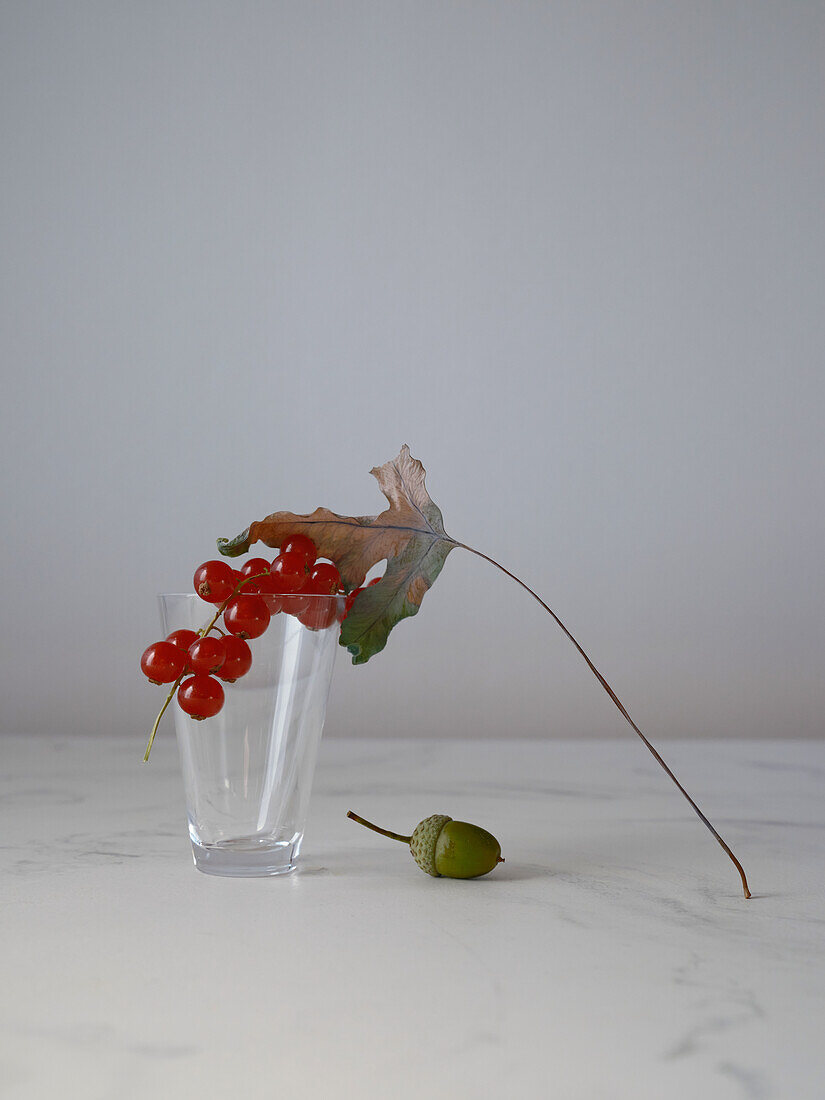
{"x":376,"y":829}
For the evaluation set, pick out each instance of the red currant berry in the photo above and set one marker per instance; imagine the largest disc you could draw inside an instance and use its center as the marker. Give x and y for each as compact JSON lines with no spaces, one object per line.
{"x":321,"y":607}
{"x":183,"y":638}
{"x":325,"y":577}
{"x":350,"y":600}
{"x":300,"y":544}
{"x":291,"y":573}
{"x":206,"y":654}
{"x":253,"y":568}
{"x":238,"y":660}
{"x":200,"y":697}
{"x":162,"y":662}
{"x":295,"y":601}
{"x":293,"y":568}
{"x":214,"y":581}
{"x":268,"y":588}
{"x":246,"y":616}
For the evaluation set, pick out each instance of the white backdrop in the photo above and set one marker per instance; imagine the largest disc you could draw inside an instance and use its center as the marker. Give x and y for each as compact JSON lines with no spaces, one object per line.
{"x":572,"y":253}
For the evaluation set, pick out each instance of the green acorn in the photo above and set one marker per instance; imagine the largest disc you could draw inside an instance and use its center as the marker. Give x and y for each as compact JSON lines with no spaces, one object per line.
{"x":441,"y":846}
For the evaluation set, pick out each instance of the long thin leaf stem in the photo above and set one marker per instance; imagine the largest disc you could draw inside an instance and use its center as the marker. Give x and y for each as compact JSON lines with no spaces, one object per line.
{"x":620,"y":707}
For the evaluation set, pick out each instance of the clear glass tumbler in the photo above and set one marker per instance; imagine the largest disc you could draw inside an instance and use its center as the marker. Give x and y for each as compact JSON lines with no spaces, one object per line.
{"x":247,"y":772}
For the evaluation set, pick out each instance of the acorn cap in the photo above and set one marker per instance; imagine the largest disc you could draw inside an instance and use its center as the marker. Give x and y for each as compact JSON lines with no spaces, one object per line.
{"x":424,"y":839}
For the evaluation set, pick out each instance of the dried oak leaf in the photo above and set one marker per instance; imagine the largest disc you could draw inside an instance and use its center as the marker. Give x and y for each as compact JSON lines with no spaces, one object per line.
{"x":409,"y":534}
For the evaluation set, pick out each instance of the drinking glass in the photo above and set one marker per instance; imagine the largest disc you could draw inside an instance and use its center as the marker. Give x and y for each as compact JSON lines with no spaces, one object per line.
{"x":247,"y":772}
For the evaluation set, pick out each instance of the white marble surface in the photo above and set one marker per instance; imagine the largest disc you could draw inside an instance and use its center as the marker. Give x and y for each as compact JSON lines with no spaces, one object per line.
{"x":613,"y":955}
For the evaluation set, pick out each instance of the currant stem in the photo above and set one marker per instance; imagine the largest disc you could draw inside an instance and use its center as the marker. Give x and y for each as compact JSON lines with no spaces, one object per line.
{"x":169,"y":698}
{"x":202,"y":632}
{"x":620,"y":707}
{"x":376,"y":829}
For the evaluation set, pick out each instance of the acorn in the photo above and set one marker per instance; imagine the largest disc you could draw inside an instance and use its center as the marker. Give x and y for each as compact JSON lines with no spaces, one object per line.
{"x":443,"y":847}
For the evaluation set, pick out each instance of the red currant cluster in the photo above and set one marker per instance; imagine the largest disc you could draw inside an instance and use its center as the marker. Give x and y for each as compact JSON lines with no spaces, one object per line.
{"x":295,"y":583}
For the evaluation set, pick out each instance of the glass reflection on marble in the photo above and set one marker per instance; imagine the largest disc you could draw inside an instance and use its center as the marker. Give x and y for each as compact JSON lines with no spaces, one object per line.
{"x":248,"y":771}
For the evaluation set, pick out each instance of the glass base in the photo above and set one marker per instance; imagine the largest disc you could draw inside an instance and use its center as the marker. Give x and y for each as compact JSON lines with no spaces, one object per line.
{"x":247,"y":857}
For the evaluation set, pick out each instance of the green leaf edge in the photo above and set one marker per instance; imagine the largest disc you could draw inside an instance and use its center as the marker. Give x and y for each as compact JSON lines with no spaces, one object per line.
{"x":233,"y":548}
